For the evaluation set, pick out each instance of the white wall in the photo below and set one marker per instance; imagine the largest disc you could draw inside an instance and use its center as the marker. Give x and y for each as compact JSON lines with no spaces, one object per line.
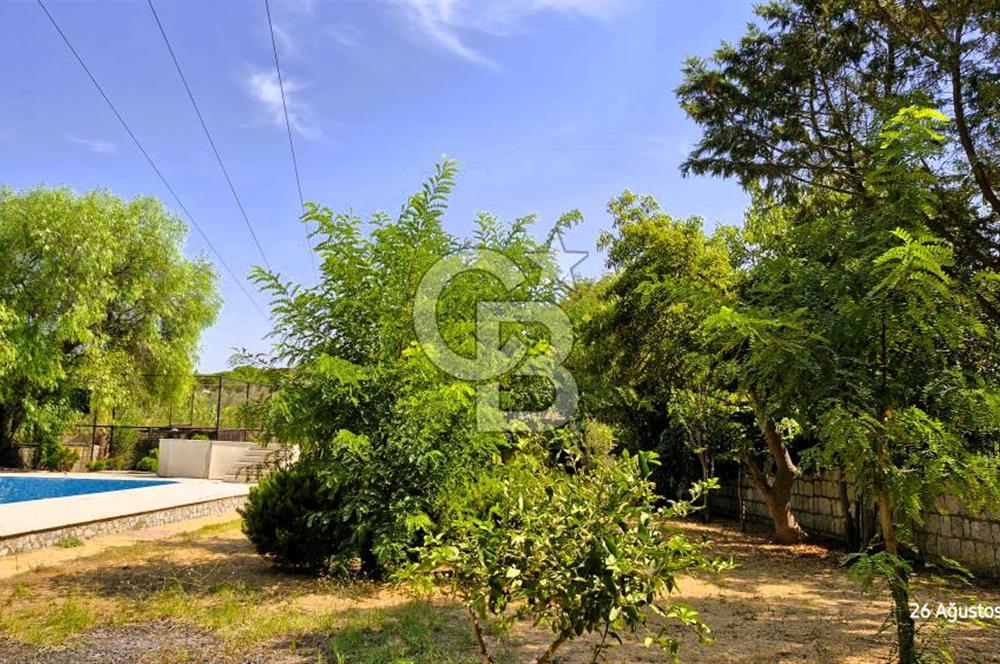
{"x":184,"y":458}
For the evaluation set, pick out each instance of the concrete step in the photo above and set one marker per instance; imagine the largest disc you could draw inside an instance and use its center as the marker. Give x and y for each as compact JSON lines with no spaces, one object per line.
{"x":232,"y":479}
{"x":256,"y":462}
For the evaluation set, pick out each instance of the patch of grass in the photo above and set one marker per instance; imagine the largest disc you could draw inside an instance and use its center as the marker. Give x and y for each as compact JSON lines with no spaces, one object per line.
{"x":49,"y":627}
{"x":69,"y":542}
{"x":212,"y":579}
{"x":418,"y":631}
{"x":212,"y":529}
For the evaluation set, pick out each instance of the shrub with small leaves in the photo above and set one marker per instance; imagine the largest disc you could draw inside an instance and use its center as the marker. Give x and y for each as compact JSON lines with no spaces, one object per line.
{"x":576,"y":548}
{"x":294,"y":518}
{"x":53,"y":455}
{"x":149,"y":463}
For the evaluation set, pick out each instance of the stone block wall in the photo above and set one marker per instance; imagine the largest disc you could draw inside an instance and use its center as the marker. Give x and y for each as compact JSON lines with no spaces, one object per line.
{"x":84,"y":450}
{"x":37,"y":540}
{"x":973,"y":539}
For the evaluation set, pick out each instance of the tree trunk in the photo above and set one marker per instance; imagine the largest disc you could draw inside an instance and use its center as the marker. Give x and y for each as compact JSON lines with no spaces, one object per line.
{"x":898,"y":586}
{"x":706,"y":474}
{"x":477,"y":632}
{"x":550,"y":652}
{"x":777,"y":494}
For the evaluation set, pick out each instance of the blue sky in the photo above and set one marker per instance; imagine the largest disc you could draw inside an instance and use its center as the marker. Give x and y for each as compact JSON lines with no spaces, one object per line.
{"x":549,"y":106}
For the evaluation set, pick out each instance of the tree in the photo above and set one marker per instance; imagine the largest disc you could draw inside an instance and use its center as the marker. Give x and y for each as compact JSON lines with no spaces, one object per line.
{"x":391,"y":432}
{"x":792,"y":105}
{"x":98,"y":307}
{"x":929,"y":336}
{"x":580,"y":549}
{"x":902,"y":387}
{"x":666,"y":313}
{"x":708,"y":417}
{"x":768,"y":353}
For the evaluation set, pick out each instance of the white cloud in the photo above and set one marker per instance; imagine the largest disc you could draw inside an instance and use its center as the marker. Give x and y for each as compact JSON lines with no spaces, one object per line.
{"x":451,"y":24}
{"x":293,"y":22}
{"x":288,"y":46}
{"x":95,"y":145}
{"x":264,"y":88}
{"x":346,"y":35}
{"x":436,"y":20}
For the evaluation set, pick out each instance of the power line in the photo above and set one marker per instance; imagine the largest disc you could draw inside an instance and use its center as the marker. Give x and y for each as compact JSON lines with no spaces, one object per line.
{"x":152,"y":163}
{"x":288,"y":127}
{"x":208,"y":135}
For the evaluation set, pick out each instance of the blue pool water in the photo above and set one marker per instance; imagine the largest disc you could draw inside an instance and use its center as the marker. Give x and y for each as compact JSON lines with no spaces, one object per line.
{"x":19,"y":489}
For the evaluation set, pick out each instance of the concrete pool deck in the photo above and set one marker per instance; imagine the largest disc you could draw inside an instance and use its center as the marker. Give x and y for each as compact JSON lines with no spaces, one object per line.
{"x":37,"y":524}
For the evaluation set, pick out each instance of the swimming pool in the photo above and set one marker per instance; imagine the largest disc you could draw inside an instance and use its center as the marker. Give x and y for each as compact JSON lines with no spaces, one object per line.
{"x":15,"y":489}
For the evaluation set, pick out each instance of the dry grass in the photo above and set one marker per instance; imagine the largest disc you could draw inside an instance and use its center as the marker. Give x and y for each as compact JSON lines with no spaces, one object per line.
{"x":206,"y":596}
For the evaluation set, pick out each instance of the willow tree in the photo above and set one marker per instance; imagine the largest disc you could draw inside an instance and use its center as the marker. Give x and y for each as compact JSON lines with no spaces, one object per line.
{"x":98,"y":307}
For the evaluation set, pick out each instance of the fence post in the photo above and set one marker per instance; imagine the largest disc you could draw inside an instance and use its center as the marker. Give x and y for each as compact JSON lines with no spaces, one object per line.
{"x":246,"y":414}
{"x":739,"y":498}
{"x":111,"y":435}
{"x":218,"y":410}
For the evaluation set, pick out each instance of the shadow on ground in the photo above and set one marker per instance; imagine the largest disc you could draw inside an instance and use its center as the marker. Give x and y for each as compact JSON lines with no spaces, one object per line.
{"x":208,"y":597}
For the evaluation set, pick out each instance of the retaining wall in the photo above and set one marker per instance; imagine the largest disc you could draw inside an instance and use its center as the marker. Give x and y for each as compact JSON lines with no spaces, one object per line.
{"x":83,"y":531}
{"x":972,"y":539}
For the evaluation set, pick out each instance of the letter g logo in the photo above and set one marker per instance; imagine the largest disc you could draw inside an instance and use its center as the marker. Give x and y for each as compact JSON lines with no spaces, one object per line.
{"x":492,"y":358}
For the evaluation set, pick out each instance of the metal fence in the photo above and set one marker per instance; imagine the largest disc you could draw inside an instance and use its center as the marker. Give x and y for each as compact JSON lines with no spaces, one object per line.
{"x":218,"y":407}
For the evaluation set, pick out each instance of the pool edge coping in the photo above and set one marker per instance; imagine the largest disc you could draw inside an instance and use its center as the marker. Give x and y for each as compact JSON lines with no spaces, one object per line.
{"x":42,"y":515}
{"x":12,"y":545}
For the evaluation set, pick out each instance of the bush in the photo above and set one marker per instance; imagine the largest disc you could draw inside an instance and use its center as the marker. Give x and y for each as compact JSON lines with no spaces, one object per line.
{"x":150,"y":463}
{"x":126,"y":450}
{"x":293,"y":517}
{"x":53,"y":455}
{"x":97,"y":465}
{"x":576,"y":549}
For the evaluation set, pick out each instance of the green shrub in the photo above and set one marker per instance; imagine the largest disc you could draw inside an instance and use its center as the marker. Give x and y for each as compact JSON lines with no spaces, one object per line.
{"x":293,"y":517}
{"x":125,"y":449}
{"x":70,"y":542}
{"x":150,"y":463}
{"x":97,"y":465}
{"x":53,"y":455}
{"x":576,"y":549}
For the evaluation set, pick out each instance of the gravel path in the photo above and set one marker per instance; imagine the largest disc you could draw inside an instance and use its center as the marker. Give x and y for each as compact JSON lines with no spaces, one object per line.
{"x":159,"y":642}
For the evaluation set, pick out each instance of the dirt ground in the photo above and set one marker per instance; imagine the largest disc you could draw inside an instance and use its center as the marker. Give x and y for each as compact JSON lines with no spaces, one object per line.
{"x":206,"y":597}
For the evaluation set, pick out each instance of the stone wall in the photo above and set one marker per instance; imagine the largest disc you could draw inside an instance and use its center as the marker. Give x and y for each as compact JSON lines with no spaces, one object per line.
{"x":954,"y":532}
{"x":84,"y":450}
{"x":41,"y":539}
